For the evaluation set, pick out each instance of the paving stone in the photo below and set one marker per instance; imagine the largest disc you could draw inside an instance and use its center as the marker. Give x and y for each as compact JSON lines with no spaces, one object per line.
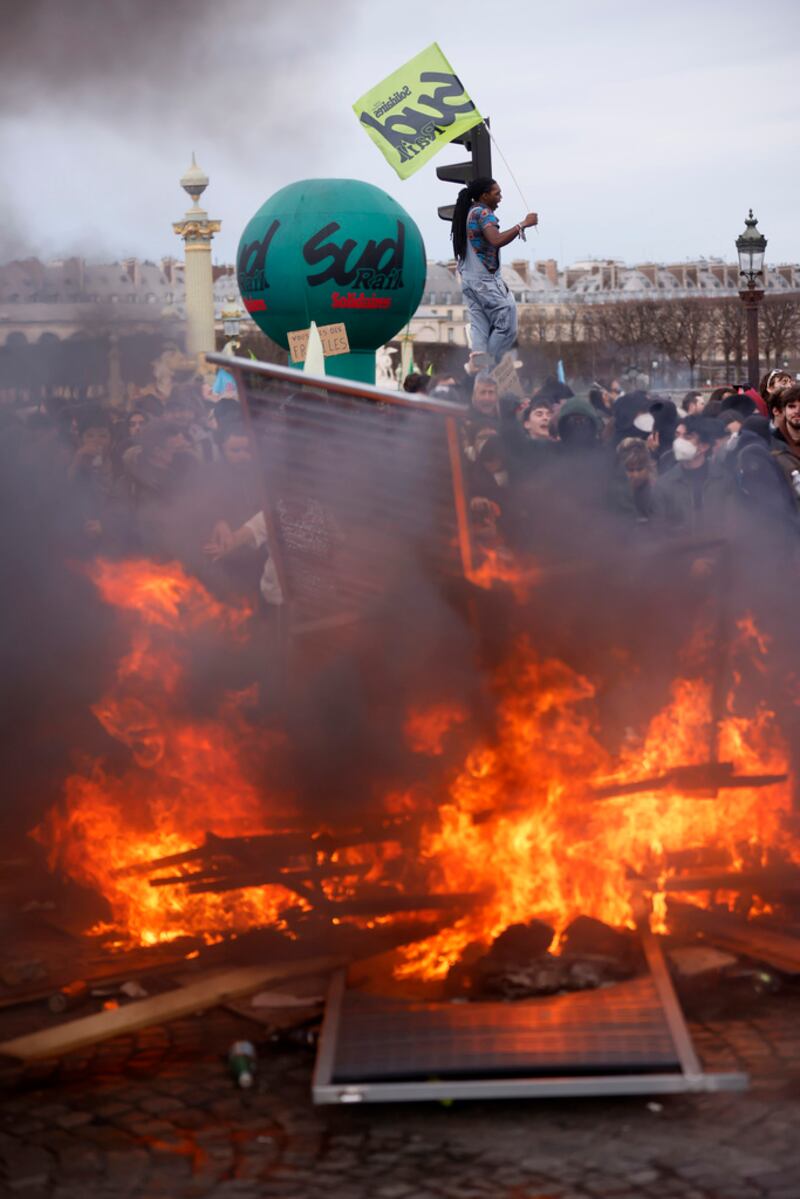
{"x":191,"y":1118}
{"x":80,"y":1159}
{"x":106,"y":1137}
{"x":643,"y":1177}
{"x":161,"y":1104}
{"x":110,"y":1110}
{"x":50,"y":1111}
{"x":26,"y":1128}
{"x":26,"y":1167}
{"x":481,"y":1151}
{"x":74,"y":1119}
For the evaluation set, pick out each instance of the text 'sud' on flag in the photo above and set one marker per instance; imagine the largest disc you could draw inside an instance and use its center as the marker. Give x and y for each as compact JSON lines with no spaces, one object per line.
{"x":416,"y":111}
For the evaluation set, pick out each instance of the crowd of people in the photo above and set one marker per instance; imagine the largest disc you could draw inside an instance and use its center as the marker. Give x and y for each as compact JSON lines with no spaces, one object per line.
{"x":703,"y":466}
{"x":174,"y":477}
{"x":171,"y":478}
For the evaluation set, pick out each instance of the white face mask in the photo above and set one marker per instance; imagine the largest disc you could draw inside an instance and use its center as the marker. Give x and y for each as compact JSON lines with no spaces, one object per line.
{"x":683,"y":449}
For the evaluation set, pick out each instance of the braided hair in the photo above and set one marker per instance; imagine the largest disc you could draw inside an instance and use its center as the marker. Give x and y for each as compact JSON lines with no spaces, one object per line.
{"x":466,"y":198}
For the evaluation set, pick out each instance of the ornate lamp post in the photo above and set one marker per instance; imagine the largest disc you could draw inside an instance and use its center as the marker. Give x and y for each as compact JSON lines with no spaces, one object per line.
{"x":750,"y":247}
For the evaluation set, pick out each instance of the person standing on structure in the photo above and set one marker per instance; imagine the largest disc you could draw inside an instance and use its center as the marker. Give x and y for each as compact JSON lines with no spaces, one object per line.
{"x":477,"y":241}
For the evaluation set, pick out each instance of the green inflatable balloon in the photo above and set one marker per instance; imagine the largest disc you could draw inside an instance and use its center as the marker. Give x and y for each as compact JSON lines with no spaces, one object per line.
{"x":333,"y":250}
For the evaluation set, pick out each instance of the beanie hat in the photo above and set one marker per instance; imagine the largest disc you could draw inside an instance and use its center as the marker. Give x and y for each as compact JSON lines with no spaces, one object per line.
{"x":759,"y":425}
{"x":665,"y":416}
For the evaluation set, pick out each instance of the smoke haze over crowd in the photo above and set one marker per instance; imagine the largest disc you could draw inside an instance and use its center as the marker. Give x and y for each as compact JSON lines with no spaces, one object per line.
{"x":107,"y":101}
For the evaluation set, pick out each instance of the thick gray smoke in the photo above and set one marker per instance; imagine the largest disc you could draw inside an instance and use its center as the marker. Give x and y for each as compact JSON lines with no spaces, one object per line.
{"x":158,"y":57}
{"x":162,"y":77}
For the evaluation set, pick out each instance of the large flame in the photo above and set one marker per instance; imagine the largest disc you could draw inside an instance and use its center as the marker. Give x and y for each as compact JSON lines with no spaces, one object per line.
{"x":518,"y":824}
{"x":523,"y":826}
{"x":187,"y":776}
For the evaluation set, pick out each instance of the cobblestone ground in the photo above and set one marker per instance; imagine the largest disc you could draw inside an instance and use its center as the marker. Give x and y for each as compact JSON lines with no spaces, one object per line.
{"x":157,"y":1115}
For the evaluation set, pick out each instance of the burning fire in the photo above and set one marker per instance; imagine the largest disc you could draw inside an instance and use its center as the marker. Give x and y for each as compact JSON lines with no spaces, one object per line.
{"x":522,"y":822}
{"x":521,"y":825}
{"x":187,"y":776}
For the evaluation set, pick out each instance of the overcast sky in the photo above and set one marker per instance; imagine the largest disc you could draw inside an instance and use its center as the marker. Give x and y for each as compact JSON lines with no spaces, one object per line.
{"x":638,"y":131}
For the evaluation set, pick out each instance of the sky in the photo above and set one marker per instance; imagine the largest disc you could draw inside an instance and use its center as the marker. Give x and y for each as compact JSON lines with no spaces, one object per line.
{"x":637,"y":131}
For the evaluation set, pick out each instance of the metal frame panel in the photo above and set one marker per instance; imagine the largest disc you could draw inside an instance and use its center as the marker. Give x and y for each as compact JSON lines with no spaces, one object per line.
{"x":346,"y":387}
{"x":690,"y":1078}
{"x":328,"y":391}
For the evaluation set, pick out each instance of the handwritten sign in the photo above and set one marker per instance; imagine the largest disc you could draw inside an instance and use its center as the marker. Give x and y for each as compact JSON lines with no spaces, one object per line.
{"x":506,"y":377}
{"x":333,"y":338}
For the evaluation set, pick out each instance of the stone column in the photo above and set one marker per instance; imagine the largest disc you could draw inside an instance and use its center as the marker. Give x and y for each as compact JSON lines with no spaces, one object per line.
{"x":197,"y":232}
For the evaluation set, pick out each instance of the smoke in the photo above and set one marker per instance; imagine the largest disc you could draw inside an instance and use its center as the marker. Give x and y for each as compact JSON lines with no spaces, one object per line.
{"x":122,"y":91}
{"x":146,"y":58}
{"x":368,"y":498}
{"x":58,"y":642}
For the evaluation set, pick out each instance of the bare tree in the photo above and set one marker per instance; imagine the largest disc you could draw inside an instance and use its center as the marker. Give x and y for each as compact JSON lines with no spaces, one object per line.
{"x":779,"y":320}
{"x":571,"y":323}
{"x":535,"y":325}
{"x":729,"y":333}
{"x":630,"y":325}
{"x":685,"y":331}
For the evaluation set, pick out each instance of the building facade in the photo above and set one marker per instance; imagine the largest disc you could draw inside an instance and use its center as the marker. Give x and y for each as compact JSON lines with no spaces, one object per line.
{"x":130,"y":310}
{"x":558,"y":295}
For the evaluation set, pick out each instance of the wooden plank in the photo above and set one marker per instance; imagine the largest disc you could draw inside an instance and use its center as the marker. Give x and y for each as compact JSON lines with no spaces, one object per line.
{"x":104,"y":973}
{"x":770,"y":882}
{"x":77,"y":1034}
{"x":728,"y":931}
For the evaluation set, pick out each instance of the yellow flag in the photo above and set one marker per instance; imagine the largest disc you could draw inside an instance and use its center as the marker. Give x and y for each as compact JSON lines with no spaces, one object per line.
{"x":416,"y":111}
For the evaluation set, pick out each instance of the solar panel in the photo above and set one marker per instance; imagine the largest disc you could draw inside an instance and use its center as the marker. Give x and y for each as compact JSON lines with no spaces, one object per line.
{"x":618,"y":1028}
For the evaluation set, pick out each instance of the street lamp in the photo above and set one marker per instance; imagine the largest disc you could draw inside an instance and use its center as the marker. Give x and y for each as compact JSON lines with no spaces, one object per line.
{"x":750,"y":247}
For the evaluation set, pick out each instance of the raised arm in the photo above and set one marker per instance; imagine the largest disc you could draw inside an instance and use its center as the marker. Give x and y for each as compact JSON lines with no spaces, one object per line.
{"x":498,"y":239}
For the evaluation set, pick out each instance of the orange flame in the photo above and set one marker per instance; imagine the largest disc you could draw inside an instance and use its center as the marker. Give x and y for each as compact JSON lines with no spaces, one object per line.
{"x":186,"y":778}
{"x":522,"y":824}
{"x":520,"y":827}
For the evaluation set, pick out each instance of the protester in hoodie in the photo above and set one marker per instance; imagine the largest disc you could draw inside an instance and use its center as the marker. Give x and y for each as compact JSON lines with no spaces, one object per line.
{"x":553,"y":509}
{"x":625,"y":412}
{"x":761,"y":490}
{"x":581,"y":459}
{"x":694,"y":491}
